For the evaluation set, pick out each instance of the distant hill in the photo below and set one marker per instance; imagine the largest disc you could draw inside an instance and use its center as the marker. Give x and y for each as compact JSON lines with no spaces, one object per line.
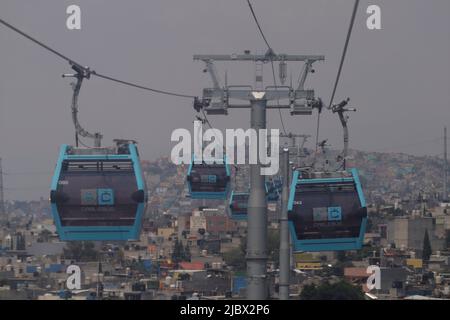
{"x":383,"y":175}
{"x":396,"y":173}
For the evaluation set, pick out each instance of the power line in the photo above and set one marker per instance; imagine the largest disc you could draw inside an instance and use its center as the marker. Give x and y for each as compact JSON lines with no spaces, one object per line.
{"x":73,"y":62}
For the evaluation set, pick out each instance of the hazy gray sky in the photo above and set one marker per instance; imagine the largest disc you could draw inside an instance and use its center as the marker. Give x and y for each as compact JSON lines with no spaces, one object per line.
{"x":398,"y":77}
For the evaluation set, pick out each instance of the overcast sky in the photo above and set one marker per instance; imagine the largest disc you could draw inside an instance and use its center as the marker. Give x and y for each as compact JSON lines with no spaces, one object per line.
{"x":397,"y":77}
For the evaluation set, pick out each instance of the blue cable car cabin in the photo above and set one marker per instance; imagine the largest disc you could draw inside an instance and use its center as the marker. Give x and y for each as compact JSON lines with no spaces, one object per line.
{"x":209,"y":180}
{"x":278,"y":184}
{"x":327,"y":213}
{"x":238,"y":205}
{"x":272,"y":193}
{"x":98,"y":193}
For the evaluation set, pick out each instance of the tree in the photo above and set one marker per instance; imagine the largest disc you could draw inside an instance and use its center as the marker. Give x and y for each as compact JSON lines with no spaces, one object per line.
{"x":308,"y":292}
{"x":175,"y":251}
{"x":338,"y":291}
{"x":73,"y":250}
{"x":235,"y":258}
{"x":180,"y":252}
{"x":89,"y":252}
{"x":426,"y":252}
{"x":81,"y":251}
{"x":44,"y":236}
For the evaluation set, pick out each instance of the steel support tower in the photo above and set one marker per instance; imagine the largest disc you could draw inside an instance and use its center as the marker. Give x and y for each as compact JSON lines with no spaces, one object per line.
{"x":216,"y":100}
{"x":284,"y":230}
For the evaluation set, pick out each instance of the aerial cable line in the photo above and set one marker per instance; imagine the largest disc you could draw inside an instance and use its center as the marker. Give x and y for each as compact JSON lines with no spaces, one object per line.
{"x":341,"y":64}
{"x":344,"y":53}
{"x":258,"y":25}
{"x":88,"y":71}
{"x":72,"y":62}
{"x":224,"y":149}
{"x":169,"y":93}
{"x":84,"y":144}
{"x":270,"y":53}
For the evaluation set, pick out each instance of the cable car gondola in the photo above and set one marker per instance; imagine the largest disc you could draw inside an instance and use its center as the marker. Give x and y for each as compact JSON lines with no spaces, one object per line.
{"x":98,"y":193}
{"x":238,"y":205}
{"x":272,"y":192}
{"x":209,"y":180}
{"x":327,"y":212}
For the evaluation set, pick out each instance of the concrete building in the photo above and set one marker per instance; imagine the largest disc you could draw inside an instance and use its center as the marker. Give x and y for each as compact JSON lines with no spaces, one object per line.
{"x":165,"y":233}
{"x":409,"y":232}
{"x":197,"y":221}
{"x":220,"y":224}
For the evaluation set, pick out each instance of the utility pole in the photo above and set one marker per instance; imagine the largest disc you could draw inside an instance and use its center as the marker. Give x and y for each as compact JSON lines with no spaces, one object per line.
{"x":284,"y":231}
{"x":445,"y":191}
{"x":2,"y":199}
{"x":216,"y":101}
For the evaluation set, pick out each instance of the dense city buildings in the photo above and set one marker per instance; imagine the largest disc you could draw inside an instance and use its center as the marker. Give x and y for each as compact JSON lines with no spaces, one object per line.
{"x":192,"y":249}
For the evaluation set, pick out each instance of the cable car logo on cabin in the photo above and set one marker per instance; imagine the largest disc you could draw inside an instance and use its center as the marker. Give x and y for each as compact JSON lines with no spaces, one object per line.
{"x":327,"y":211}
